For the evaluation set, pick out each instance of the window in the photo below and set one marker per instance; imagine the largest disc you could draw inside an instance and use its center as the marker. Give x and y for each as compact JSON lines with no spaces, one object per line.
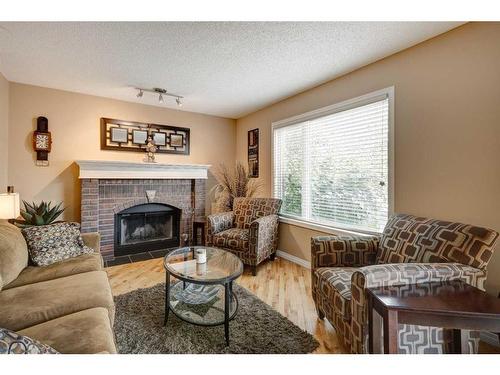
{"x":331,"y":167}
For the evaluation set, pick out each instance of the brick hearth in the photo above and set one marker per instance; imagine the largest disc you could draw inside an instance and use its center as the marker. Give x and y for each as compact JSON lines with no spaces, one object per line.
{"x":101,"y":199}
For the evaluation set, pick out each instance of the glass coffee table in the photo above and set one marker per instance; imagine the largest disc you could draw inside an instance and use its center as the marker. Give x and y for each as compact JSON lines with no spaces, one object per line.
{"x":202,"y":293}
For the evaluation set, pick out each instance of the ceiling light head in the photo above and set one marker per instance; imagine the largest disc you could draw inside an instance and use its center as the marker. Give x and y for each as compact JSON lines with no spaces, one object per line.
{"x":161,"y":94}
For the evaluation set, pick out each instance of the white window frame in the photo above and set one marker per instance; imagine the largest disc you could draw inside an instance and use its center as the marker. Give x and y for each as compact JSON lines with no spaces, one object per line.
{"x":371,"y":97}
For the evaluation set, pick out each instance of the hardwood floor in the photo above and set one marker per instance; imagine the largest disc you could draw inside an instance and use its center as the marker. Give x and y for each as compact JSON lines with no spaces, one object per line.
{"x":281,"y":284}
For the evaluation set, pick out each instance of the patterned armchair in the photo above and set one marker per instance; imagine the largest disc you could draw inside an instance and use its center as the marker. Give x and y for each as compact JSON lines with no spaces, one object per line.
{"x":250,"y":231}
{"x":411,"y":250}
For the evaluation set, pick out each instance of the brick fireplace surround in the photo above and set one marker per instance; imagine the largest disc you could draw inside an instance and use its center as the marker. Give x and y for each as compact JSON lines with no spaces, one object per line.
{"x":107,"y":195}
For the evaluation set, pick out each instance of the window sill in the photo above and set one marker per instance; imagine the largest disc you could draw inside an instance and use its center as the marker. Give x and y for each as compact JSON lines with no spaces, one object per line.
{"x":325,"y":228}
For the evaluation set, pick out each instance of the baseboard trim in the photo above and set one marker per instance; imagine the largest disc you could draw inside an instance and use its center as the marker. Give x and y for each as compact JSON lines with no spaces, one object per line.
{"x":490,"y":338}
{"x":292,"y":258}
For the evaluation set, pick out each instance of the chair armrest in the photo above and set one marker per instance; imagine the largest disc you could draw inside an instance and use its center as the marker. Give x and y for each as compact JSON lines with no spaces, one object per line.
{"x":217,"y":223}
{"x":92,"y":240}
{"x":264,"y":226}
{"x":400,"y":274}
{"x":415,"y":273}
{"x":220,"y":222}
{"x":343,"y":251}
{"x":263,"y":237}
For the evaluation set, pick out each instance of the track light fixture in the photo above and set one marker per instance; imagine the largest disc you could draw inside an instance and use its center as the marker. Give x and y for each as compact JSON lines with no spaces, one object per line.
{"x":161,"y":93}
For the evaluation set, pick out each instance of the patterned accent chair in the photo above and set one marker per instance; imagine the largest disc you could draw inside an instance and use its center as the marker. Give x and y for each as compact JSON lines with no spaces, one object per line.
{"x":250,"y":231}
{"x":411,"y":250}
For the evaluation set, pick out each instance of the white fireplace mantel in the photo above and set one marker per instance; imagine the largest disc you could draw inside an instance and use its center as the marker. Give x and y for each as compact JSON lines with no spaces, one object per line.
{"x":100,"y":169}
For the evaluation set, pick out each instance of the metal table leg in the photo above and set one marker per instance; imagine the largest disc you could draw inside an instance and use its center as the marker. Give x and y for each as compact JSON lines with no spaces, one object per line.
{"x":227,"y":299}
{"x":167,"y":297}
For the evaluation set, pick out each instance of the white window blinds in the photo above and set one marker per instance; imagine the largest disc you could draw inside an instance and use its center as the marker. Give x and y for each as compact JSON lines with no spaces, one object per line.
{"x":333,"y":169}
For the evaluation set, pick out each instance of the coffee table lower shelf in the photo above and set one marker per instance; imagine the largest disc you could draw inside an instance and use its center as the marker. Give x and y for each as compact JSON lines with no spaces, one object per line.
{"x":186,"y":301}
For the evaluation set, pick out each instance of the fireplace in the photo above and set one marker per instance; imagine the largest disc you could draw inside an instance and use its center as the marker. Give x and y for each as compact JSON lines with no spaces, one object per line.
{"x":141,"y":206}
{"x":146,"y":227}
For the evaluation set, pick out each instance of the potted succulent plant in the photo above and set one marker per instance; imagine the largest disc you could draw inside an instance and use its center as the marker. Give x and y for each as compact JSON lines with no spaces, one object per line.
{"x":39,"y":214}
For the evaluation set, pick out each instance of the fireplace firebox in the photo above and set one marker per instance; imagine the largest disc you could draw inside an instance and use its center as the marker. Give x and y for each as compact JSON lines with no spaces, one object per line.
{"x":146,"y":227}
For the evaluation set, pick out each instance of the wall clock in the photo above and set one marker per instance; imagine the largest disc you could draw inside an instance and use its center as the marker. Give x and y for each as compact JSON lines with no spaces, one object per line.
{"x":42,"y":141}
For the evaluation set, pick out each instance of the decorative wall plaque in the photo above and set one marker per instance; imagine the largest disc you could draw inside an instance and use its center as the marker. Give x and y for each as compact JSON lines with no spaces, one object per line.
{"x":253,"y":153}
{"x":119,"y":135}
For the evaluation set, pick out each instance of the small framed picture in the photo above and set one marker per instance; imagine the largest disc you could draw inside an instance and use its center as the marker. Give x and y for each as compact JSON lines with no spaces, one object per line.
{"x":176,"y":140}
{"x":253,"y":153}
{"x":119,"y":135}
{"x":160,"y":139}
{"x":139,"y":137}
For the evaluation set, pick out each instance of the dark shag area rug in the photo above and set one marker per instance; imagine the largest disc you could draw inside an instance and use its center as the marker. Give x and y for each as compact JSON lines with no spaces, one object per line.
{"x":257,"y":328}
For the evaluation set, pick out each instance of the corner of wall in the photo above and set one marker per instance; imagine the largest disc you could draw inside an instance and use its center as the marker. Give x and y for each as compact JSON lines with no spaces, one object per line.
{"x":4,"y":131}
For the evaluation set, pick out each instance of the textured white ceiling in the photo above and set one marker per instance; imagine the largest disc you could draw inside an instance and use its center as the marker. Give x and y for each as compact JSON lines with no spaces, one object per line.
{"x":222,"y":68}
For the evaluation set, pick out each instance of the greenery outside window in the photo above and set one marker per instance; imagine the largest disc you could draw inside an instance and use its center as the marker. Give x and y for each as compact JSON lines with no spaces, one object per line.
{"x":333,"y":166}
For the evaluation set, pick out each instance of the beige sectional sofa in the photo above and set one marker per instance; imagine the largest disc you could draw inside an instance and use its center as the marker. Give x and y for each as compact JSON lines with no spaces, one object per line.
{"x":67,"y":305}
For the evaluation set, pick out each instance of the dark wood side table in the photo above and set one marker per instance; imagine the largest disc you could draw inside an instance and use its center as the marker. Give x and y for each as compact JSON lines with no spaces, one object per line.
{"x":199,"y":226}
{"x":452,"y":305}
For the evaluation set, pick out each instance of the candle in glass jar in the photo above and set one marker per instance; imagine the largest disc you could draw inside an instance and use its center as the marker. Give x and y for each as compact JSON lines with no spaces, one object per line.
{"x":201,"y":255}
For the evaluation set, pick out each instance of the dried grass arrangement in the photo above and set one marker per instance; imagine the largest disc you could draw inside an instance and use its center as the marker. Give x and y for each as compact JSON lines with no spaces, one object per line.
{"x":233,"y":183}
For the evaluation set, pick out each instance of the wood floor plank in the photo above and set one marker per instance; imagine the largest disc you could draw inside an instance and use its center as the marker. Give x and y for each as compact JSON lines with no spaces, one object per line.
{"x":281,"y":284}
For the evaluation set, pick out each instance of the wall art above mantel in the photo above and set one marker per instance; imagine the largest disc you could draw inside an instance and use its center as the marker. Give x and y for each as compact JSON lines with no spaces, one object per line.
{"x":120,"y":135}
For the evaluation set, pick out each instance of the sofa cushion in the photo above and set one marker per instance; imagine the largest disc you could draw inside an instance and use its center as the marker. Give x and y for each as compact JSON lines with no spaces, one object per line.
{"x":412,"y":239}
{"x":13,"y":253}
{"x":247,"y":210}
{"x":92,"y":240}
{"x":32,"y":304}
{"x":48,"y":244}
{"x":84,"y":332}
{"x":233,"y":238}
{"x":335,"y":285}
{"x":68,"y":267}
{"x":16,"y":343}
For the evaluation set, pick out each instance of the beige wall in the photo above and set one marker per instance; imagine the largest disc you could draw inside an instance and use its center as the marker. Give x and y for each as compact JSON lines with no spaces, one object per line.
{"x":74,"y":121}
{"x":447,"y":129}
{"x":4,"y":131}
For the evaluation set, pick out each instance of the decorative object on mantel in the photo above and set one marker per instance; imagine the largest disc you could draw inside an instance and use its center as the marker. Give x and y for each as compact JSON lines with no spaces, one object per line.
{"x":42,"y":141}
{"x":39,"y":214}
{"x":160,"y":92}
{"x":233,"y":183}
{"x":150,"y":195}
{"x":150,"y":150}
{"x":119,"y":135}
{"x":253,"y":153}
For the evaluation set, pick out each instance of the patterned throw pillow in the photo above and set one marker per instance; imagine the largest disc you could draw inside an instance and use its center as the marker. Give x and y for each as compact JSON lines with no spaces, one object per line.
{"x":13,"y":343}
{"x":48,"y":244}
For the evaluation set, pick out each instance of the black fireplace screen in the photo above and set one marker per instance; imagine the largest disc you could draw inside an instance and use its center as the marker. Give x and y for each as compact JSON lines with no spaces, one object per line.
{"x":146,"y":227}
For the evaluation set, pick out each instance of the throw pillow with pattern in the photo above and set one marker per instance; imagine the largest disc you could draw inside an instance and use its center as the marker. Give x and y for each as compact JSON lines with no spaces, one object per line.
{"x":48,"y":244}
{"x":14,"y":343}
